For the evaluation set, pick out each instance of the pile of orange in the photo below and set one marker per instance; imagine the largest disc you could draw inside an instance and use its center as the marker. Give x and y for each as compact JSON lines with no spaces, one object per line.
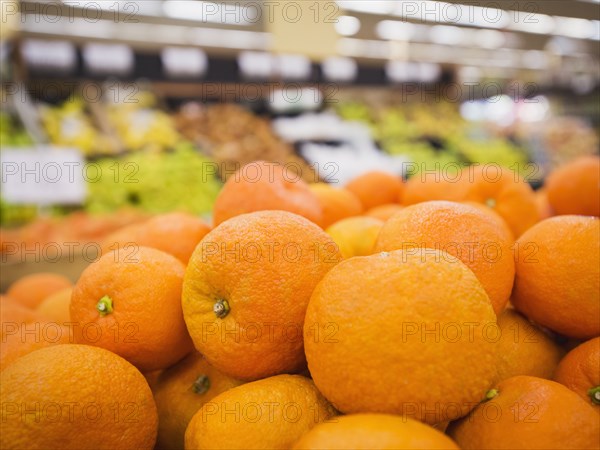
{"x":435,"y":313}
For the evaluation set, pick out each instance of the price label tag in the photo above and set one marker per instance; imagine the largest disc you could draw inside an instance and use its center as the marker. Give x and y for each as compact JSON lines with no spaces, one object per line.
{"x":108,"y":59}
{"x":294,"y":67}
{"x":184,"y":61}
{"x":57,"y":55}
{"x":44,"y":176}
{"x":402,"y":71}
{"x":256,"y":65}
{"x":339,"y":68}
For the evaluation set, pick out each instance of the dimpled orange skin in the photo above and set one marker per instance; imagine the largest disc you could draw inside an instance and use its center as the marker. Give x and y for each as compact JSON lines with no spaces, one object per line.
{"x":174,"y":233}
{"x":87,"y":397}
{"x":261,"y":186}
{"x":376,"y":188}
{"x":558,"y":274}
{"x":265,"y":265}
{"x":336,"y":203}
{"x":505,"y":192}
{"x":146,"y":326}
{"x":24,"y":341}
{"x":524,"y":349}
{"x":529,"y":413}
{"x":272,"y":413}
{"x":31,"y":290}
{"x":575,"y":187}
{"x":579,"y":370}
{"x":373,"y":431}
{"x":463,"y":231}
{"x":369,"y":328}
{"x":180,"y":391}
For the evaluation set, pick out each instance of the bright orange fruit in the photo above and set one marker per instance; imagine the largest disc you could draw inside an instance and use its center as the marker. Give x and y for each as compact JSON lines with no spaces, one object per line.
{"x":261,"y":186}
{"x":527,"y":412}
{"x":558,"y":274}
{"x":246,"y":289}
{"x":461,"y":230}
{"x":75,"y":397}
{"x":336,"y":203}
{"x":373,"y":431}
{"x":372,"y":317}
{"x":131,"y":305}
{"x":272,"y":413}
{"x":575,"y":187}
{"x":579,"y":371}
{"x":376,"y":188}
{"x":180,"y":391}
{"x":31,"y":290}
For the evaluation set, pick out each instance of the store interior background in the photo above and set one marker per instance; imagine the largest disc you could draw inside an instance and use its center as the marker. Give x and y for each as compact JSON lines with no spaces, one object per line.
{"x":175,"y":95}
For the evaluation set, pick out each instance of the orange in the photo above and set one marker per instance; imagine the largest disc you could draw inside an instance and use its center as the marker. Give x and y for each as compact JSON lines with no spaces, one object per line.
{"x":75,"y":397}
{"x":31,"y":337}
{"x":558,"y":274}
{"x":384,"y":212}
{"x":503,"y":191}
{"x":260,"y":186}
{"x":390,"y":333}
{"x":579,"y":371}
{"x":56,"y":306}
{"x":527,"y":412}
{"x":541,"y":198}
{"x":246,"y":289}
{"x":373,"y":431}
{"x":336,"y":203}
{"x":180,"y":391}
{"x":31,"y":290}
{"x":575,"y":187}
{"x":428,"y":186}
{"x":376,"y":188}
{"x":355,"y":236}
{"x":524,"y":349}
{"x":492,"y":215}
{"x":13,"y":315}
{"x":131,"y":305}
{"x":173,"y":233}
{"x":267,"y":414}
{"x":464,"y":231}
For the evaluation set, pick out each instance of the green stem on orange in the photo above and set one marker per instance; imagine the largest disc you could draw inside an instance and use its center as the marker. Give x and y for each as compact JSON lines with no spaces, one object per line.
{"x":594,"y":394}
{"x":201,"y":385}
{"x":221,"y":308}
{"x":490,"y":394}
{"x":104,"y":305}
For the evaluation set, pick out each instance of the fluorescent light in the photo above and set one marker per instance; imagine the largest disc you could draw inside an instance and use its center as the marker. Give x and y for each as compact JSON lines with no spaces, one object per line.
{"x":532,"y":23}
{"x":347,"y":25}
{"x":383,"y":7}
{"x":577,"y":28}
{"x":209,"y":12}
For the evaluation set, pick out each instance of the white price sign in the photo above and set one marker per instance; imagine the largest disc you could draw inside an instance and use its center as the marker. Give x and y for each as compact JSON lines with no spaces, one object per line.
{"x":184,"y":61}
{"x":110,"y":59}
{"x":43,"y":176}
